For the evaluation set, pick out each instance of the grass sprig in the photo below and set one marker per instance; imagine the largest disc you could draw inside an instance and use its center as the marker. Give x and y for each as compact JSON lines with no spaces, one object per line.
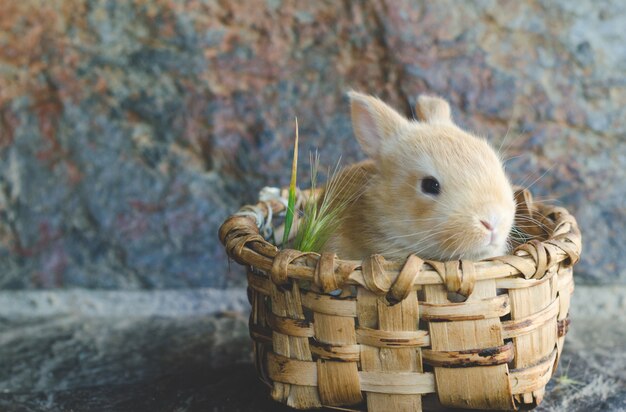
{"x":323,"y":211}
{"x":291,"y":202}
{"x":321,"y":217}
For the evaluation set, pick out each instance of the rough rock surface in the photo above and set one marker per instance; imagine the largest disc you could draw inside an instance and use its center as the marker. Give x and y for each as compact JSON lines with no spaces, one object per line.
{"x":173,"y":351}
{"x":130,"y":130}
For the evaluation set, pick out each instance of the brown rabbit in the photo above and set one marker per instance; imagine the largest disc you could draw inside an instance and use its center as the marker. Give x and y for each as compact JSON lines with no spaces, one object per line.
{"x":430,"y":188}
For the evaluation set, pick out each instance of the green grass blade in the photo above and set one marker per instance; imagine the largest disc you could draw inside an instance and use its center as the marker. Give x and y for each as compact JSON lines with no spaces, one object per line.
{"x":292,"y":191}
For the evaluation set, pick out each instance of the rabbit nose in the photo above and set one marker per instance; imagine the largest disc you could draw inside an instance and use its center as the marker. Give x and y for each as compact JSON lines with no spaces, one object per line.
{"x":487,"y":225}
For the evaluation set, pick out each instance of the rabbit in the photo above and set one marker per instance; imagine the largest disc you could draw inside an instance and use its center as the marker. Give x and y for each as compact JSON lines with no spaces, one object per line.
{"x":428,"y":188}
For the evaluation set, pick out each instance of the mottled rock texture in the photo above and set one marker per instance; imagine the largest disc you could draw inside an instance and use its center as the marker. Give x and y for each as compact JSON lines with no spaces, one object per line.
{"x":130,"y":130}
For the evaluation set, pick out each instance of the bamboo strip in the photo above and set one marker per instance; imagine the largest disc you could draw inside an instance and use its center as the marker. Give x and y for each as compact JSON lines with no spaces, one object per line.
{"x":520,"y":282}
{"x":263,"y":339}
{"x":565,"y":291}
{"x":493,"y":307}
{"x":517,"y":327}
{"x":291,"y":371}
{"x":469,"y":357}
{"x":401,"y":383}
{"x":329,"y":305}
{"x":290,"y":327}
{"x":344,"y":353}
{"x":392,"y":339}
{"x":533,"y":378}
{"x":338,"y":383}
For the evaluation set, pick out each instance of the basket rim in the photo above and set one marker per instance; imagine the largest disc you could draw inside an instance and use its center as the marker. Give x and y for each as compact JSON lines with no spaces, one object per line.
{"x":526,"y":265}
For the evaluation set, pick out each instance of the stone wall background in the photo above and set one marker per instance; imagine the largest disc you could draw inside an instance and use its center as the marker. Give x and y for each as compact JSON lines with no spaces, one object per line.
{"x":130,"y":130}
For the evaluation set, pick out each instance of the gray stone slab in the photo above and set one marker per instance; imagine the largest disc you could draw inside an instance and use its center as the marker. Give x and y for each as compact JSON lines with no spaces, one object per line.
{"x":189,"y":350}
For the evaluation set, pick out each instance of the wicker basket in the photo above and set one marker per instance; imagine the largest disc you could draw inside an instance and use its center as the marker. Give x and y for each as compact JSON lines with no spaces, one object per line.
{"x":392,"y":338}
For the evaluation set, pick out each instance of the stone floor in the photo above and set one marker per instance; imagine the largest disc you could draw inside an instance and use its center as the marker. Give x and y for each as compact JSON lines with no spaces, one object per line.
{"x":189,"y":351}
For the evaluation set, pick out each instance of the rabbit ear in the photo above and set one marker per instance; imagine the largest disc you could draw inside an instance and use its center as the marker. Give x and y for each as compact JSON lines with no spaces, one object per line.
{"x":374,"y":122}
{"x":433,"y":109}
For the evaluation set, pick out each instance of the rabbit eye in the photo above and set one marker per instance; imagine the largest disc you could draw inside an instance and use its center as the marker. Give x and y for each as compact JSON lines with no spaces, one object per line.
{"x":431,"y":186}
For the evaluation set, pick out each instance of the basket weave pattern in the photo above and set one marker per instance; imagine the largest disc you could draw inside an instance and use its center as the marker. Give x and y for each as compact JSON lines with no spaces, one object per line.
{"x":392,"y":335}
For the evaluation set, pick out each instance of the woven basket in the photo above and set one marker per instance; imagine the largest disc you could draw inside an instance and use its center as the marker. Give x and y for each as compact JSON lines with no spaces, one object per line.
{"x":392,"y":339}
